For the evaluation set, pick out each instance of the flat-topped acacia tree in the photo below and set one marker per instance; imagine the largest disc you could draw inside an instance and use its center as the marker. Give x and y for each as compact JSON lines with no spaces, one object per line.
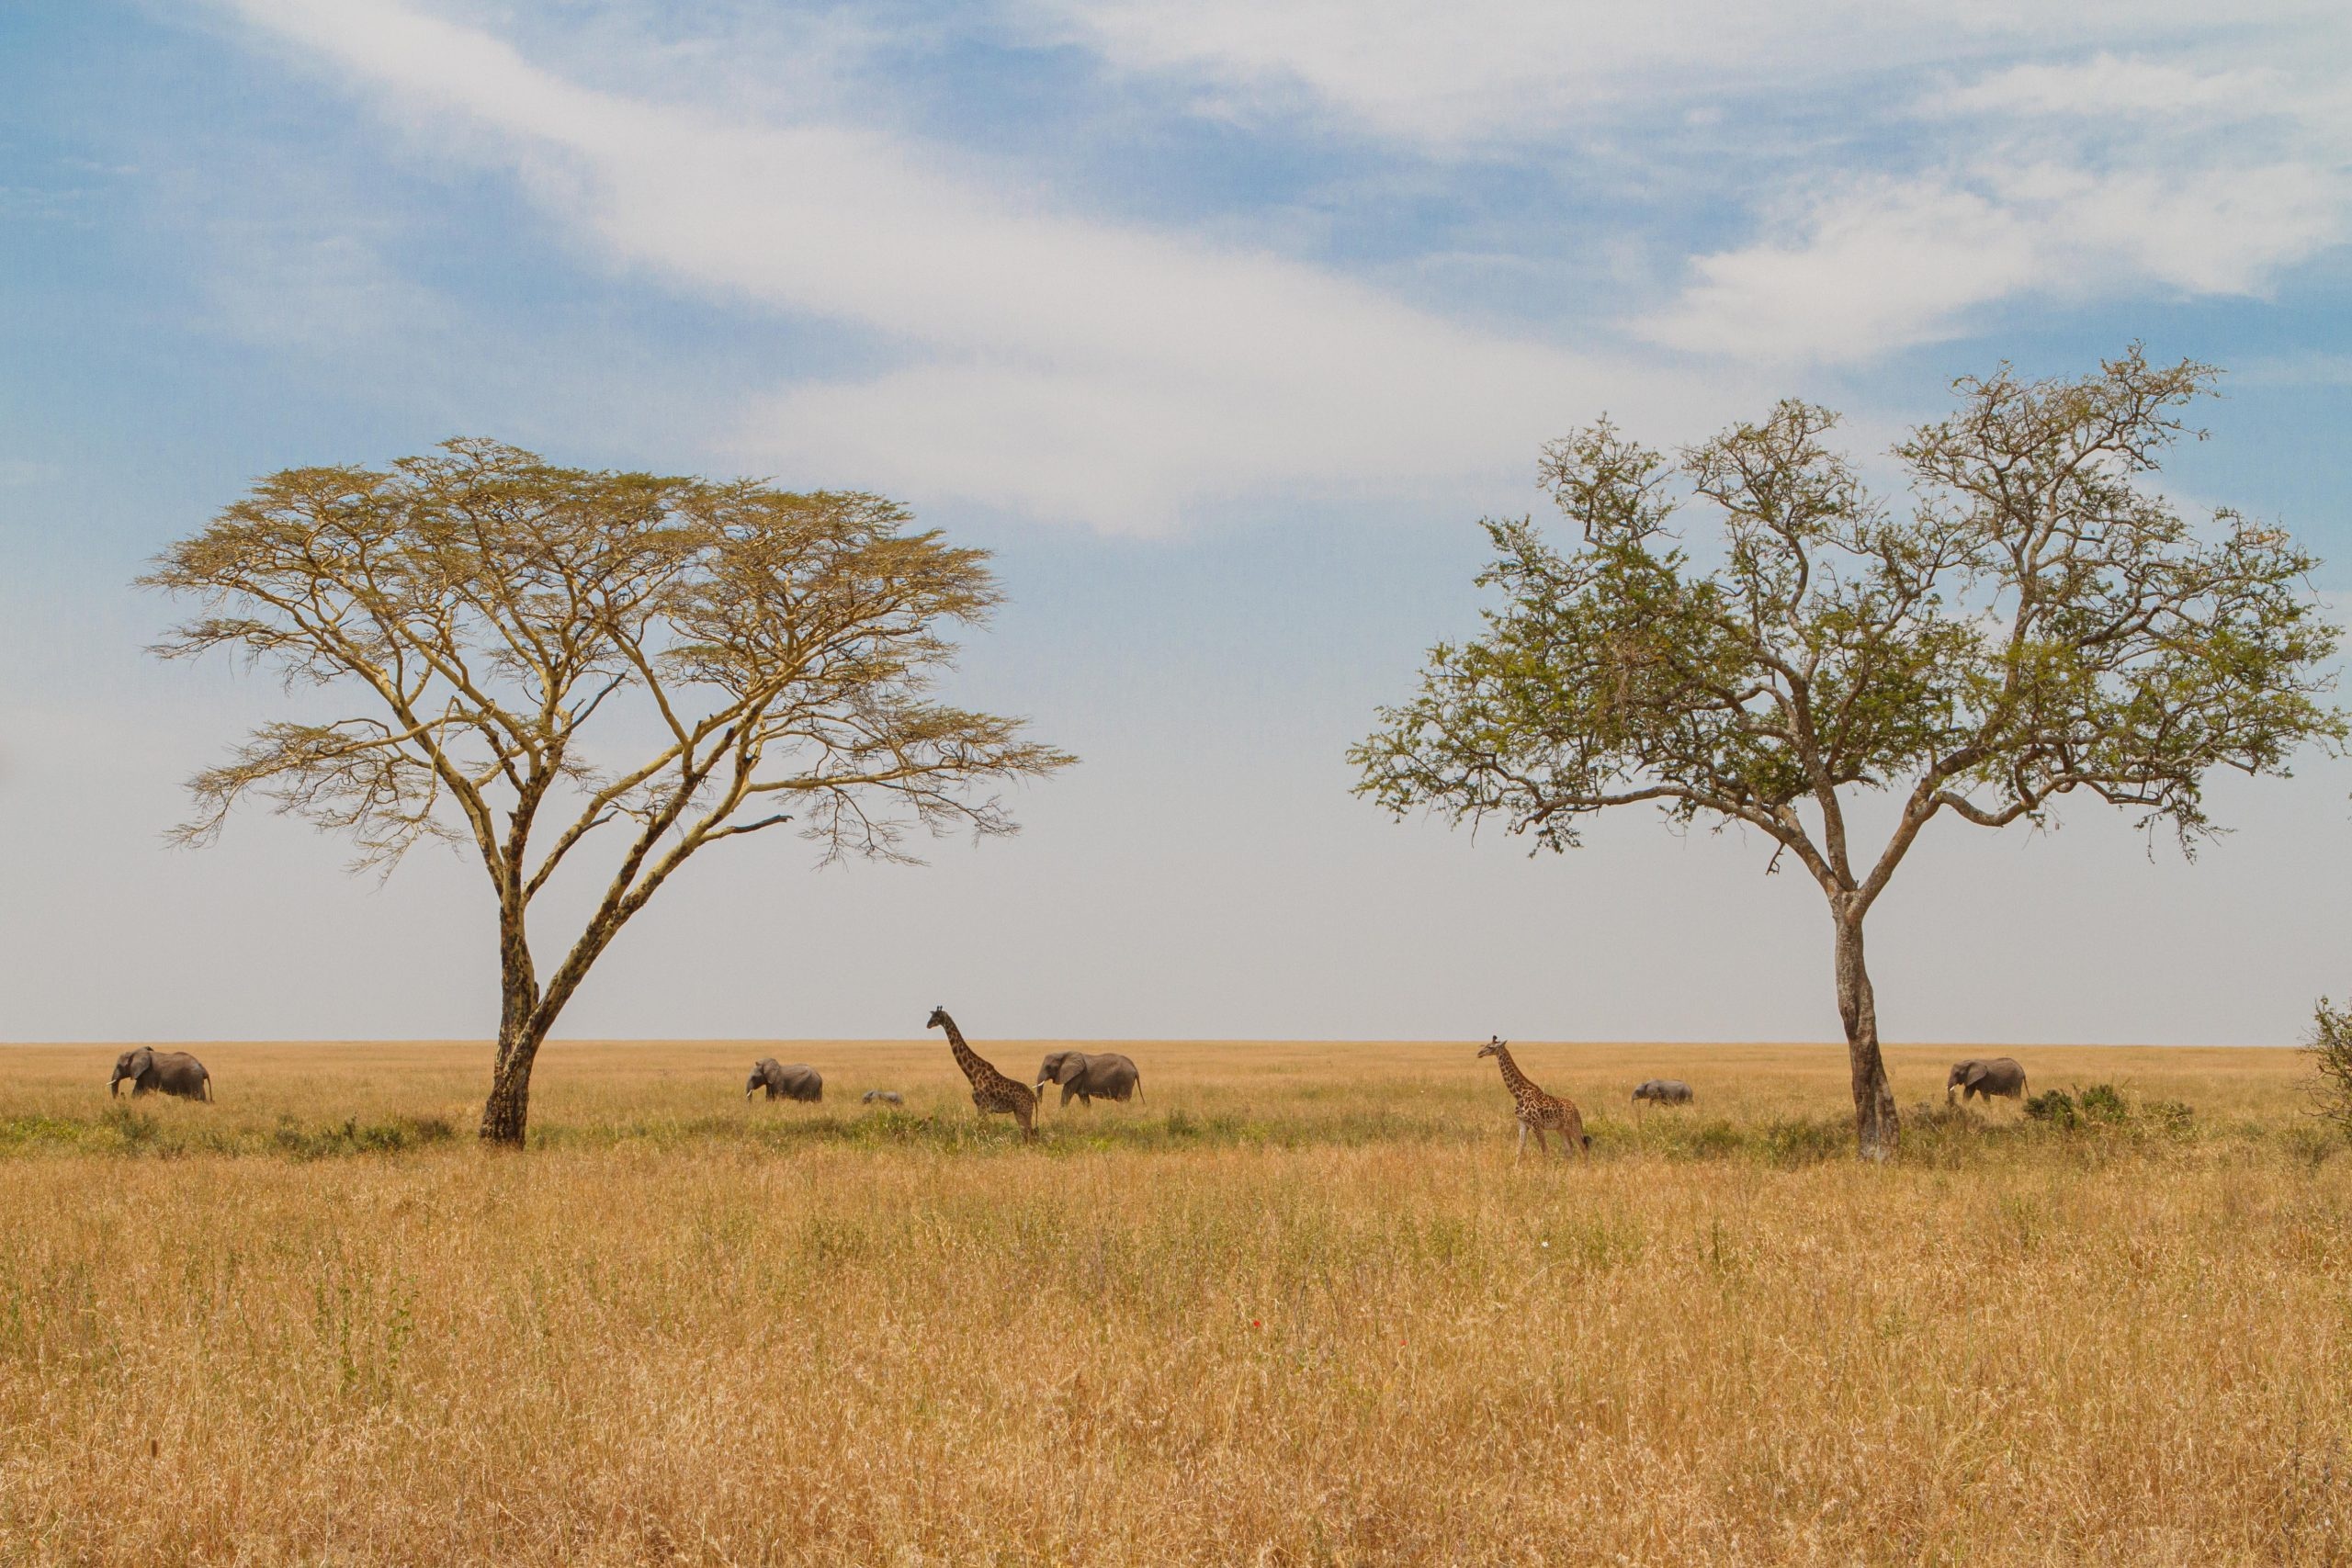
{"x":2034,"y":624}
{"x":755,"y":657}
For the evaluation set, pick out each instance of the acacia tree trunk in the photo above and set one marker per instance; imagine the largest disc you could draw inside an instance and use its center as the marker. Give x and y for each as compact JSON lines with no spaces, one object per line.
{"x":508,"y":1110}
{"x":1877,"y":1130}
{"x":521,"y":1028}
{"x":527,"y":1013}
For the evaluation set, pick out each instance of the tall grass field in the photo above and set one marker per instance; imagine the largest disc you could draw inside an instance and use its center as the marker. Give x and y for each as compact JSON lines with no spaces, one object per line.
{"x":1301,"y":1306}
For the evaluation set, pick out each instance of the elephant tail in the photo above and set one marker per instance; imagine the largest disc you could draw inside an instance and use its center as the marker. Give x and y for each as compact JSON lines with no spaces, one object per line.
{"x":1139,"y":1098}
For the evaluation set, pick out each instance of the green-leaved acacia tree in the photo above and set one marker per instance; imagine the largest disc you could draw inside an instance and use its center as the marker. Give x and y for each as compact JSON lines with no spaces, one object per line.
{"x":741,"y":658}
{"x":2036,"y":622}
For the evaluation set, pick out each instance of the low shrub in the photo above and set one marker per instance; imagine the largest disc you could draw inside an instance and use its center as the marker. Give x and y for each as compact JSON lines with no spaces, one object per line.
{"x":2102,"y":1105}
{"x":2330,"y":1049}
{"x":353,"y":1136}
{"x":2054,"y":1106}
{"x":2102,"y":1102}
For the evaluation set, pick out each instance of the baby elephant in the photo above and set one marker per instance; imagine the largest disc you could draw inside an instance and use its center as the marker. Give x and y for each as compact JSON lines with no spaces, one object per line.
{"x":160,"y":1072}
{"x":1664,"y":1091}
{"x":1988,"y":1077}
{"x":883,"y":1097}
{"x":798,"y":1081}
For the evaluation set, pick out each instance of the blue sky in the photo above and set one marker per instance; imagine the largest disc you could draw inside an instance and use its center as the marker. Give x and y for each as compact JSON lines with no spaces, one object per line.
{"x":1221,"y":323}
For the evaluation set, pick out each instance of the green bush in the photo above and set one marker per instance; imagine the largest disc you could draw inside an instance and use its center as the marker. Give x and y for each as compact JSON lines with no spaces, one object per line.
{"x":2054,"y":1106}
{"x":2104,"y":1105}
{"x":2330,"y":1049}
{"x":2102,"y":1102}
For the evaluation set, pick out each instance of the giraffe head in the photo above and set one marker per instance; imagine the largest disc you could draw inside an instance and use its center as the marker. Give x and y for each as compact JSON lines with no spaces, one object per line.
{"x":1493,"y":1047}
{"x":938,"y":1018}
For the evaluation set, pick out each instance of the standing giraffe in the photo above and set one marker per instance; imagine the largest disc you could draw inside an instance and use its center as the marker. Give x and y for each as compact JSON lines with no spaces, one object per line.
{"x":991,"y":1091}
{"x":1537,"y":1110}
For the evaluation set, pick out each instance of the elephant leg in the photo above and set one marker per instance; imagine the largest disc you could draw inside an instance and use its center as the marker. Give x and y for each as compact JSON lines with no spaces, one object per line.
{"x":1068,"y":1094}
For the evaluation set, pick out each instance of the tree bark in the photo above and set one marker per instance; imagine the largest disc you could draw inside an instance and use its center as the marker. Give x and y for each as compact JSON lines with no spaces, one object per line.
{"x":1877,"y":1130}
{"x":507,"y":1111}
{"x":521,"y":1028}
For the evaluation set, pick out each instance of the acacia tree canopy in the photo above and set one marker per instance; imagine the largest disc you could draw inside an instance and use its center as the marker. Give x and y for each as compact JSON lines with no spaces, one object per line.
{"x":2036,"y":623}
{"x":766,"y":656}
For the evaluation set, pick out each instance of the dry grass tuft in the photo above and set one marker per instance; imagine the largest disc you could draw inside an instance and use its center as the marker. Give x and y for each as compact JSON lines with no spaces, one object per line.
{"x":1302,"y":1307}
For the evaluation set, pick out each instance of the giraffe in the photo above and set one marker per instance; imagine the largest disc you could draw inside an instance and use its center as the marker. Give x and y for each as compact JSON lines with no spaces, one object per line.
{"x":991,"y":1091}
{"x":1537,"y":1110}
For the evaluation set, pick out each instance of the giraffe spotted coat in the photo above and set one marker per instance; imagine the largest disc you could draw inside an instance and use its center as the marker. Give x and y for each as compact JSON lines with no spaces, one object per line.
{"x":1537,"y":1110}
{"x":992,"y":1091}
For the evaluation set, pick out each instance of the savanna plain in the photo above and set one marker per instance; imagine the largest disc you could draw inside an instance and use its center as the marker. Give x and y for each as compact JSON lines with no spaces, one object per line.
{"x":1301,"y":1306}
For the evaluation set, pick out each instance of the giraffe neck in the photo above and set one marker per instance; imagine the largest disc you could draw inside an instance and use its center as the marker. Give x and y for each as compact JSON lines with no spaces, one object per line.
{"x":966,"y":1057}
{"x":1513,"y":1079}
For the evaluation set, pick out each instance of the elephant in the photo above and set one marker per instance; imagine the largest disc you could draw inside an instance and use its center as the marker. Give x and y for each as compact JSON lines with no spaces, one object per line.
{"x":1664,"y":1091}
{"x":161,"y":1072}
{"x":798,"y":1081}
{"x":884,"y":1096}
{"x":1986,"y":1076}
{"x":1107,"y":1074}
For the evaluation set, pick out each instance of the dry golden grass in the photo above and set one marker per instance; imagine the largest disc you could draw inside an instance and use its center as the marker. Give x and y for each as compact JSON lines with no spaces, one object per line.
{"x":1301,"y":1307}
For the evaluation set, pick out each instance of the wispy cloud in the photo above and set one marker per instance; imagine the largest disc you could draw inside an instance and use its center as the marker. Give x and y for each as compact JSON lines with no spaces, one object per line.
{"x":1073,"y":368}
{"x":2044,"y":181}
{"x":2118,"y":85}
{"x":1875,"y":264}
{"x":1471,"y":72}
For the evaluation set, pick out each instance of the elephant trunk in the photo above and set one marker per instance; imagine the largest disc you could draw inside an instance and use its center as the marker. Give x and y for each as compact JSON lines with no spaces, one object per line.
{"x":113,"y":1087}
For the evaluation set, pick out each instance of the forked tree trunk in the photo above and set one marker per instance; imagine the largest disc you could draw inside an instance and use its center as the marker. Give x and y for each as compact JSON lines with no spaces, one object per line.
{"x":1877,"y":1130}
{"x":521,"y":1029}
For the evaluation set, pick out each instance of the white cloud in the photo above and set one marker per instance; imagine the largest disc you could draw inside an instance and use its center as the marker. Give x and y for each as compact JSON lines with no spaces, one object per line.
{"x":1873,"y":268}
{"x":1072,"y":367}
{"x":2106,"y":178}
{"x":2110,"y":84}
{"x":1878,"y":265}
{"x":1449,"y":72}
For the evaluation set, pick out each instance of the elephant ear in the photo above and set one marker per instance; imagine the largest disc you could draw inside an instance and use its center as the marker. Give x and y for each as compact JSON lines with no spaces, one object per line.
{"x":1978,"y":1074}
{"x":1073,"y":1064}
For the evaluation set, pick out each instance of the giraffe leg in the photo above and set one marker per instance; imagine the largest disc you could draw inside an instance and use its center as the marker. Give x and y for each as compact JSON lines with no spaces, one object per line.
{"x":1522,"y":1142}
{"x":1541,"y":1148}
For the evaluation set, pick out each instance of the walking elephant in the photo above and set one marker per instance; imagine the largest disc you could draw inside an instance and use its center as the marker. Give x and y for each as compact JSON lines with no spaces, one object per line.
{"x":1663,"y":1091}
{"x":1986,"y":1076}
{"x":796,"y":1081}
{"x":1089,"y":1077}
{"x":161,"y":1072}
